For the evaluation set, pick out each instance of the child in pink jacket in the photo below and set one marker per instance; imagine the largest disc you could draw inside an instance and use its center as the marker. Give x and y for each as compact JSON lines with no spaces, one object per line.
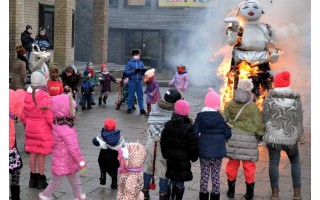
{"x":37,"y":119}
{"x":67,"y":159}
{"x":180,"y":80}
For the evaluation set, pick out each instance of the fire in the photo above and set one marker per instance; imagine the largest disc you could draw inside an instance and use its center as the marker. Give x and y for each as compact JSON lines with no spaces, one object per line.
{"x":245,"y":71}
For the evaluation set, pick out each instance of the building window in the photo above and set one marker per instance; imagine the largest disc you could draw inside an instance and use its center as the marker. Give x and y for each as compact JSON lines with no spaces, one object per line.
{"x":113,"y":3}
{"x":72,"y":36}
{"x":146,"y":3}
{"x":46,"y":20}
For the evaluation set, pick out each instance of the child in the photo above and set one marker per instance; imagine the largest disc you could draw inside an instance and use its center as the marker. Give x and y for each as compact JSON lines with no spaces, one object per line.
{"x":245,"y":116}
{"x":155,"y":164}
{"x":283,"y":118}
{"x":123,"y":94}
{"x":105,"y":84}
{"x":180,"y":80}
{"x":110,"y":142}
{"x":67,"y":159}
{"x":37,"y":118}
{"x":93,"y":79}
{"x":179,"y":147}
{"x":131,"y":158}
{"x":152,"y":89}
{"x":211,"y":131}
{"x":55,"y":86}
{"x":16,"y":102}
{"x":86,"y":90}
{"x":42,"y":40}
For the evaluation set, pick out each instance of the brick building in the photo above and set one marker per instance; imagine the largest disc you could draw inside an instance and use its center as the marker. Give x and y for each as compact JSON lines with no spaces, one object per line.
{"x":57,"y":16}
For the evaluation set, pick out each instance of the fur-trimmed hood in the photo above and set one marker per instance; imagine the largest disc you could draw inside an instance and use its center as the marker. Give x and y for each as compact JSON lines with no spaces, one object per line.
{"x":284,"y":97}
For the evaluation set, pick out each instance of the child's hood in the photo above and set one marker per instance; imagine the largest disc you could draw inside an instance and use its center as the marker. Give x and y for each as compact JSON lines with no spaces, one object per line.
{"x":63,"y":105}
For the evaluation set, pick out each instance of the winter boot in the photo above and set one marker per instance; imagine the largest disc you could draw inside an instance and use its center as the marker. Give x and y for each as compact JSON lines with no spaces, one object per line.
{"x":297,"y":193}
{"x":82,"y":197}
{"x":129,"y":111}
{"x":275,"y":193}
{"x":143,"y":112}
{"x":118,"y":106}
{"x":179,"y":193}
{"x":42,"y":197}
{"x":42,"y":182}
{"x":133,"y":107}
{"x":172,"y":189}
{"x":104,"y":100}
{"x":250,"y":191}
{"x":214,"y":196}
{"x":33,"y":180}
{"x":163,"y":196}
{"x":203,"y":196}
{"x":100,"y":100}
{"x":114,"y":183}
{"x":102,"y":178}
{"x":146,"y":194}
{"x":15,"y":192}
{"x":89,"y":105}
{"x":231,"y":190}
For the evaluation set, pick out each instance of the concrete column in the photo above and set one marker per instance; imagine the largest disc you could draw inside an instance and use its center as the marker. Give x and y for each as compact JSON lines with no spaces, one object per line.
{"x":63,"y":50}
{"x":16,"y":27}
{"x":100,"y":32}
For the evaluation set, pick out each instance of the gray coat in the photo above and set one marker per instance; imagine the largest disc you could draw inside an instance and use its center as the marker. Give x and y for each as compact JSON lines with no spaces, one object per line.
{"x":161,"y":112}
{"x":243,"y":146}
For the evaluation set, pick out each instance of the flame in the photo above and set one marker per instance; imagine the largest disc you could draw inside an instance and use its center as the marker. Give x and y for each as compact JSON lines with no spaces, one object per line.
{"x":245,"y":71}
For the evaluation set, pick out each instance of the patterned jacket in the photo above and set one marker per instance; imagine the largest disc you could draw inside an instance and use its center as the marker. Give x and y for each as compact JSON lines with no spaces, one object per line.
{"x":283,"y":118}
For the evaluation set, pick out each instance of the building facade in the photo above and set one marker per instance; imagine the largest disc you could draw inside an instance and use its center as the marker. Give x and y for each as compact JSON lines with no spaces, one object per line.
{"x":158,"y":27}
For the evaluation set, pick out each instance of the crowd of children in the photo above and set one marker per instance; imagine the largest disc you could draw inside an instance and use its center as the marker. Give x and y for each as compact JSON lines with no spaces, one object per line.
{"x":174,"y":139}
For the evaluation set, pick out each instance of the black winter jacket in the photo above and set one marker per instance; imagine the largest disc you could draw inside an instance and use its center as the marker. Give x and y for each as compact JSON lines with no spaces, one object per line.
{"x":26,"y":41}
{"x":179,"y":147}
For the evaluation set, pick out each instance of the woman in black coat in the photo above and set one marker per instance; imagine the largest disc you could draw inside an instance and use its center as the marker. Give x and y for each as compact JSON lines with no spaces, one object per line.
{"x":179,"y":147}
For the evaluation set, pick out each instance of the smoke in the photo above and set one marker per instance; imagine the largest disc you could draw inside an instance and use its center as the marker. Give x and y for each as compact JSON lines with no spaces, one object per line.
{"x":291,"y":24}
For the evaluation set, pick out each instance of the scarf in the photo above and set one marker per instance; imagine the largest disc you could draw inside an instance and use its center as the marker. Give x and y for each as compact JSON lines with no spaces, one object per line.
{"x":64,"y":121}
{"x":123,"y":167}
{"x":91,"y":71}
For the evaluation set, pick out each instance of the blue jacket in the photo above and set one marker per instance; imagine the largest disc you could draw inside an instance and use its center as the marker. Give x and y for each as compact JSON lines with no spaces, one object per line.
{"x":214,"y":132}
{"x":130,"y":68}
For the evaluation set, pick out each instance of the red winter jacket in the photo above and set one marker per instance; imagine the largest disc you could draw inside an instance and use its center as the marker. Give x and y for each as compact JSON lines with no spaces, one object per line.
{"x":38,"y":122}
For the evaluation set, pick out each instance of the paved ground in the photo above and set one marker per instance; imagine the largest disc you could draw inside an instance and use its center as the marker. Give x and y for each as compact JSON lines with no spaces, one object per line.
{"x":133,"y":127}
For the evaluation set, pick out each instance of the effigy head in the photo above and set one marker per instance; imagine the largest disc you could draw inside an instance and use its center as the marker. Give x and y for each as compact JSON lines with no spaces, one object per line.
{"x":250,"y":10}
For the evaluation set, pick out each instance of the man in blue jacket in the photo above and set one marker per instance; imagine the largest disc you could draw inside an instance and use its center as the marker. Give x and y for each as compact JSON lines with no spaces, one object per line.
{"x":135,"y":71}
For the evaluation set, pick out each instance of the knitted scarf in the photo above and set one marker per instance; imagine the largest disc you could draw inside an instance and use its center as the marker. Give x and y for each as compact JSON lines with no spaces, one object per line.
{"x":64,"y":121}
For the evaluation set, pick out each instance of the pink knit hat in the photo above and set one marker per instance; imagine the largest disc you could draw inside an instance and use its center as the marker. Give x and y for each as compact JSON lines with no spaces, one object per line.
{"x":182,"y":107}
{"x":212,"y":99}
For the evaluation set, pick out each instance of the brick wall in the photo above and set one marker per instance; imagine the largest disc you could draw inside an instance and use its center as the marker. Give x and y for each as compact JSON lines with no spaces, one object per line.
{"x":64,"y":52}
{"x":23,"y":12}
{"x":100,"y":31}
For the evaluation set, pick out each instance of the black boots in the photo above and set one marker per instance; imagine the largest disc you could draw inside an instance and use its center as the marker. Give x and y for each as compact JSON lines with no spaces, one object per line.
{"x":163,"y":196}
{"x":105,"y":99}
{"x":42,"y":182}
{"x":15,"y":192}
{"x":231,"y":190}
{"x":143,"y":112}
{"x":114,"y":184}
{"x":118,"y":106}
{"x":203,"y":196}
{"x":33,"y":180}
{"x":250,"y":191}
{"x":146,"y":194}
{"x":100,"y":100}
{"x":214,"y":196}
{"x":179,"y":193}
{"x":102,"y":178}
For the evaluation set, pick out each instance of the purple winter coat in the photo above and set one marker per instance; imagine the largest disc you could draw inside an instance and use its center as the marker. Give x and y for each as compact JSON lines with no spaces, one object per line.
{"x":105,"y":81}
{"x":180,"y":81}
{"x":66,"y":154}
{"x":152,"y":87}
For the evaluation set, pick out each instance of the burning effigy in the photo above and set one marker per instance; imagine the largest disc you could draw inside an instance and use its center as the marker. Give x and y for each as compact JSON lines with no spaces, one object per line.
{"x":253,"y":50}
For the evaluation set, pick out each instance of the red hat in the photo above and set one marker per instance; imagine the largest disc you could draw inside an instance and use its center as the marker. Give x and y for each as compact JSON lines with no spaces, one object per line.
{"x":182,"y":107}
{"x":282,"y":79}
{"x":104,"y":66}
{"x":20,"y":50}
{"x":110,"y":124}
